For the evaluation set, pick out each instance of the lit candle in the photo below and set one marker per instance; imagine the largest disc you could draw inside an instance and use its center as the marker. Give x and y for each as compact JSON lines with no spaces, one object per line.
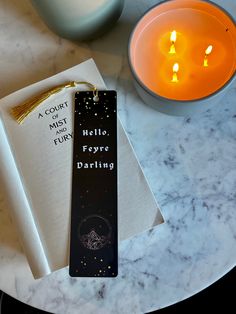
{"x":196,"y":25}
{"x":173,"y":37}
{"x":175,"y":70}
{"x":207,"y":52}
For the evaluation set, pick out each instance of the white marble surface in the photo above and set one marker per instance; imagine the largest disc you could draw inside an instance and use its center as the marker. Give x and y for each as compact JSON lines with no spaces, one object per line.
{"x":189,"y":162}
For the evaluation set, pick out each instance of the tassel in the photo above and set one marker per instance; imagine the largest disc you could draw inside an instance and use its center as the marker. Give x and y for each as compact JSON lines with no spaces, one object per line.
{"x":20,"y":112}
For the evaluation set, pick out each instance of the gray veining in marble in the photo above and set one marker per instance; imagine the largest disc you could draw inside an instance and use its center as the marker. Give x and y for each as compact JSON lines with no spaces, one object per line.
{"x":189,"y":162}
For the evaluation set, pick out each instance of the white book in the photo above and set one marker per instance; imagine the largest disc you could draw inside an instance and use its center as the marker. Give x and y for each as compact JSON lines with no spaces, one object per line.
{"x":36,"y":166}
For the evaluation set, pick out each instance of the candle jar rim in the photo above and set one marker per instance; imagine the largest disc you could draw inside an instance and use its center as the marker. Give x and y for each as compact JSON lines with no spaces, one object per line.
{"x":167,"y":99}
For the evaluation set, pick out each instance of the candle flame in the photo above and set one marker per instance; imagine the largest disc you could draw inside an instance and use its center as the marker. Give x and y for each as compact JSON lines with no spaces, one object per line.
{"x":176,"y":67}
{"x":173,"y":37}
{"x":175,"y":70}
{"x":209,"y":50}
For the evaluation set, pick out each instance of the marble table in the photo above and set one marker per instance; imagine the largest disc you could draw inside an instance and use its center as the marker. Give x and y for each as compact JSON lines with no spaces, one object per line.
{"x":190,"y":164}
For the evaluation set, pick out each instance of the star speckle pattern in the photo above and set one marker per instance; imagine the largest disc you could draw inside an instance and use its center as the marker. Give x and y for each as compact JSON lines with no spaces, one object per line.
{"x":104,"y":112}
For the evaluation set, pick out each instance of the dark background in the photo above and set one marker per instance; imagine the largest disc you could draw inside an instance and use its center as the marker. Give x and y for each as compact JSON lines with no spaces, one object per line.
{"x":218,"y":297}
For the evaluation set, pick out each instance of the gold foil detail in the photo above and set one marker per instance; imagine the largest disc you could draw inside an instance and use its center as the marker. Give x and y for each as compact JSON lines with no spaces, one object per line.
{"x":21,"y":111}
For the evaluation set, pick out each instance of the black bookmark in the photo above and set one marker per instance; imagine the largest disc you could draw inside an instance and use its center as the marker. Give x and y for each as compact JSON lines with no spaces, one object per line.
{"x":93,"y":246}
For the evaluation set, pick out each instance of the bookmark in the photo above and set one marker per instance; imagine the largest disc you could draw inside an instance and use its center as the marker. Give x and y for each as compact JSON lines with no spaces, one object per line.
{"x":93,"y":245}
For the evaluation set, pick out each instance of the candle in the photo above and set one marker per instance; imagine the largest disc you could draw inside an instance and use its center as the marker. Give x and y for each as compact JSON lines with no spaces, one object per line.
{"x":79,"y":19}
{"x":182,"y":54}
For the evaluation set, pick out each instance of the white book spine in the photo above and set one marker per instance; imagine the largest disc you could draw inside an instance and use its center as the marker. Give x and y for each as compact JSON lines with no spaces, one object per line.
{"x":20,"y":209}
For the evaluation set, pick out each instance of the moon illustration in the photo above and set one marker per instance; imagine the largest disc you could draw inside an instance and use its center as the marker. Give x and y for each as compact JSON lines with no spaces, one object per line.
{"x":94,"y":232}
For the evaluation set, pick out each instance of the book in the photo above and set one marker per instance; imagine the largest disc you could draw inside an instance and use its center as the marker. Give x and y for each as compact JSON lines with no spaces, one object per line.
{"x":36,"y":169}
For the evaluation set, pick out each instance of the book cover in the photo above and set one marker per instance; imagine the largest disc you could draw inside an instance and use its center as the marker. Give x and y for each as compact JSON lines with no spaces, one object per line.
{"x":36,"y":161}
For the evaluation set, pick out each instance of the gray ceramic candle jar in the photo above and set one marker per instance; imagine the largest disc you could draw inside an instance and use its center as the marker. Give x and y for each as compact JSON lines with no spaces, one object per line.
{"x":79,"y":19}
{"x":190,"y":71}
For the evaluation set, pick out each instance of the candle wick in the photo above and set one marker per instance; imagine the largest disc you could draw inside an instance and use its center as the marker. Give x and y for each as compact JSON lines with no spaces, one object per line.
{"x":172,"y":48}
{"x":175,"y":78}
{"x":205,"y":63}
